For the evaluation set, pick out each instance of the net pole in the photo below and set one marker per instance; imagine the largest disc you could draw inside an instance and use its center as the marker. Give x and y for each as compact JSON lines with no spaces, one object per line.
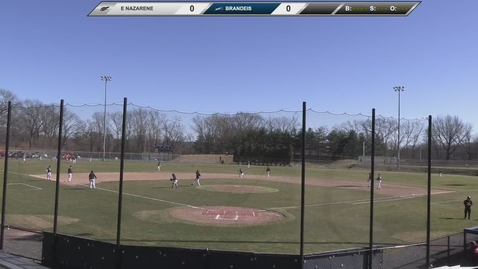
{"x":302,"y":195}
{"x":372,"y":172}
{"x":429,"y":189}
{"x":5,"y":173}
{"x":57,"y":183}
{"x":121,"y":180}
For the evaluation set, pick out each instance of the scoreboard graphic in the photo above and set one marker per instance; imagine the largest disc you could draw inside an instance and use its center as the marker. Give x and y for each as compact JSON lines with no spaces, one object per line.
{"x":333,"y":9}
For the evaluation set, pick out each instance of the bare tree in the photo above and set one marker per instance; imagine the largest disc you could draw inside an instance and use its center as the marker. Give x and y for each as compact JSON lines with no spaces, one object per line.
{"x":139,"y":123}
{"x":282,"y":124}
{"x":29,"y":120}
{"x":72,"y":125}
{"x":416,"y":134}
{"x":5,"y":97}
{"x":468,"y":142}
{"x":448,"y":132}
{"x":115,"y":120}
{"x":173,"y":130}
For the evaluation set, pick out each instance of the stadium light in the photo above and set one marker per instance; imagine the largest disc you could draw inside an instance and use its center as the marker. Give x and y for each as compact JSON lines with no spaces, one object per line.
{"x":398,"y":89}
{"x":106,"y":79}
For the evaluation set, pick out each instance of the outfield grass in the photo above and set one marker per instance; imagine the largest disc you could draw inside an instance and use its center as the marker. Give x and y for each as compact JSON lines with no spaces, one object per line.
{"x":333,"y":220}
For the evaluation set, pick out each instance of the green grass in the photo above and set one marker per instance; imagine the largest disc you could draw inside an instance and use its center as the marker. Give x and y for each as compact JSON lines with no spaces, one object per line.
{"x":331,"y":221}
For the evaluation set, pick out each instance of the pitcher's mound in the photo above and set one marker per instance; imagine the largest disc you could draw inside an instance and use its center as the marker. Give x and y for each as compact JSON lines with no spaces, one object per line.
{"x":226,"y":216}
{"x":237,"y":188}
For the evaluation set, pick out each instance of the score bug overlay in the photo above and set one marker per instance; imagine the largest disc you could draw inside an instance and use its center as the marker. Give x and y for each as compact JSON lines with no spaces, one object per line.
{"x":369,"y":9}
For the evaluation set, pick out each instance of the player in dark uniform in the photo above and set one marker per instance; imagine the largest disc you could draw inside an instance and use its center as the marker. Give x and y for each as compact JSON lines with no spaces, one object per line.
{"x":70,"y":173}
{"x":369,"y":180}
{"x":92,"y":178}
{"x":468,"y":203}
{"x":198,"y":176}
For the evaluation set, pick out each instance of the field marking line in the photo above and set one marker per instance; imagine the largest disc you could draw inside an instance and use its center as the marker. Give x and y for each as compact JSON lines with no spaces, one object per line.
{"x":444,"y":202}
{"x":383,"y":201}
{"x":32,"y":188}
{"x":332,"y":203}
{"x":141,"y":196}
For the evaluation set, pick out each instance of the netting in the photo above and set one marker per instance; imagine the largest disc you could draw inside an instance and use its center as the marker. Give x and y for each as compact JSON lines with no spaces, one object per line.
{"x":248,"y":196}
{"x":248,"y":177}
{"x":30,"y":196}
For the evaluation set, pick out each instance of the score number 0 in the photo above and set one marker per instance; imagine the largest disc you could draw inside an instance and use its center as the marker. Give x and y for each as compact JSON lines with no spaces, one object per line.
{"x":287,"y":8}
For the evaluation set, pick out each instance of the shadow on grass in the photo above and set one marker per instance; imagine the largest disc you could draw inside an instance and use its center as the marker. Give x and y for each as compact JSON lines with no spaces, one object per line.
{"x":348,"y":186}
{"x":247,"y":242}
{"x":455,"y":185}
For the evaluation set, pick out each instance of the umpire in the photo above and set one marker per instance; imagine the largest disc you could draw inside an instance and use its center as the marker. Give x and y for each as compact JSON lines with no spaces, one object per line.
{"x":468,"y":203}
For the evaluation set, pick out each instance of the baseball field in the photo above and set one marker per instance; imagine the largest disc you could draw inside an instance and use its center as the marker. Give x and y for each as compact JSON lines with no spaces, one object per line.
{"x":254,"y":213}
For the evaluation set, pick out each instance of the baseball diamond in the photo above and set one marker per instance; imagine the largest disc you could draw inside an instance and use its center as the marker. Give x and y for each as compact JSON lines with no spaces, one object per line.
{"x":263,"y":210}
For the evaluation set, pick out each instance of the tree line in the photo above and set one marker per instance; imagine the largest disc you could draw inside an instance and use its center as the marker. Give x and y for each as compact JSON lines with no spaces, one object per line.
{"x":249,"y":137}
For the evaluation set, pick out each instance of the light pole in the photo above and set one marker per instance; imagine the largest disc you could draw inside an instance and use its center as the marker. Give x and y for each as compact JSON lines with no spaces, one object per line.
{"x":106,"y":79}
{"x":398,"y":89}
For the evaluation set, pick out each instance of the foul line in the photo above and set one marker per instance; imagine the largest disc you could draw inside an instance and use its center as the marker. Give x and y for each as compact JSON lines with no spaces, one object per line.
{"x":141,"y":196}
{"x":32,"y":188}
{"x":444,"y":202}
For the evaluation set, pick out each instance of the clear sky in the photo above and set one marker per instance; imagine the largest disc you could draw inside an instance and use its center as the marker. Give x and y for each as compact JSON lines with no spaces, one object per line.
{"x":51,"y":50}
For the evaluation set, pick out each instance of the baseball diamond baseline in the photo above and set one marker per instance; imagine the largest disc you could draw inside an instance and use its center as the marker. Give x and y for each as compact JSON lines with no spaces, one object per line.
{"x":336,"y":213}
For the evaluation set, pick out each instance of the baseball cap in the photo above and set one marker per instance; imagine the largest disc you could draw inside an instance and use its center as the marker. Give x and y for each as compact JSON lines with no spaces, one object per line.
{"x":469,"y":197}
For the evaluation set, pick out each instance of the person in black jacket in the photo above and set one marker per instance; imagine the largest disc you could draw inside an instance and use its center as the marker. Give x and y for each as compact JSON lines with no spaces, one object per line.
{"x":468,"y":203}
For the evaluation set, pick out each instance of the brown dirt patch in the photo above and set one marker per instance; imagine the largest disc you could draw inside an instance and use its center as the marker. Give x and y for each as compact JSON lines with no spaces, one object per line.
{"x":226,"y":216}
{"x":237,"y":188}
{"x":387,"y":189}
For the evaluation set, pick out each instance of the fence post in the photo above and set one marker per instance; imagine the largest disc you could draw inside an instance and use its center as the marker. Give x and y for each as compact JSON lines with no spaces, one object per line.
{"x":5,"y":173}
{"x":57,"y":183}
{"x":448,"y":251}
{"x":302,"y":195}
{"x":372,"y":189}
{"x":429,"y":188}
{"x":120,"y":192}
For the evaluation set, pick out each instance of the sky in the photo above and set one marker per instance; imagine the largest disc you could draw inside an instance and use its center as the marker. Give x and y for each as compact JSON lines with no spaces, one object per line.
{"x":51,"y":50}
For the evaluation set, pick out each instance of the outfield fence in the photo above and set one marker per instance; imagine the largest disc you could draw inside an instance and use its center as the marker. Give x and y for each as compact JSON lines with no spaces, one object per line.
{"x":129,"y":133}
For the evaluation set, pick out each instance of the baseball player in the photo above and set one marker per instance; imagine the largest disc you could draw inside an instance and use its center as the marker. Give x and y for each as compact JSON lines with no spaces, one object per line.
{"x":198,"y":176}
{"x":24,"y":157}
{"x":379,"y":179}
{"x":70,"y":173}
{"x":440,"y":174}
{"x":92,"y":178}
{"x":48,"y":172}
{"x":468,"y":203}
{"x":174,"y":179}
{"x":369,"y":180}
{"x":241,"y":173}
{"x":159,"y":166}
{"x":268,"y":171}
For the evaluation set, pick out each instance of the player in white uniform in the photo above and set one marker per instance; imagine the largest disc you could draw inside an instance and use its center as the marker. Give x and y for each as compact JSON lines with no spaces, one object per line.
{"x":70,"y":173}
{"x":92,"y":178}
{"x":198,"y":176}
{"x":379,"y":179}
{"x":48,"y":173}
{"x":174,"y":179}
